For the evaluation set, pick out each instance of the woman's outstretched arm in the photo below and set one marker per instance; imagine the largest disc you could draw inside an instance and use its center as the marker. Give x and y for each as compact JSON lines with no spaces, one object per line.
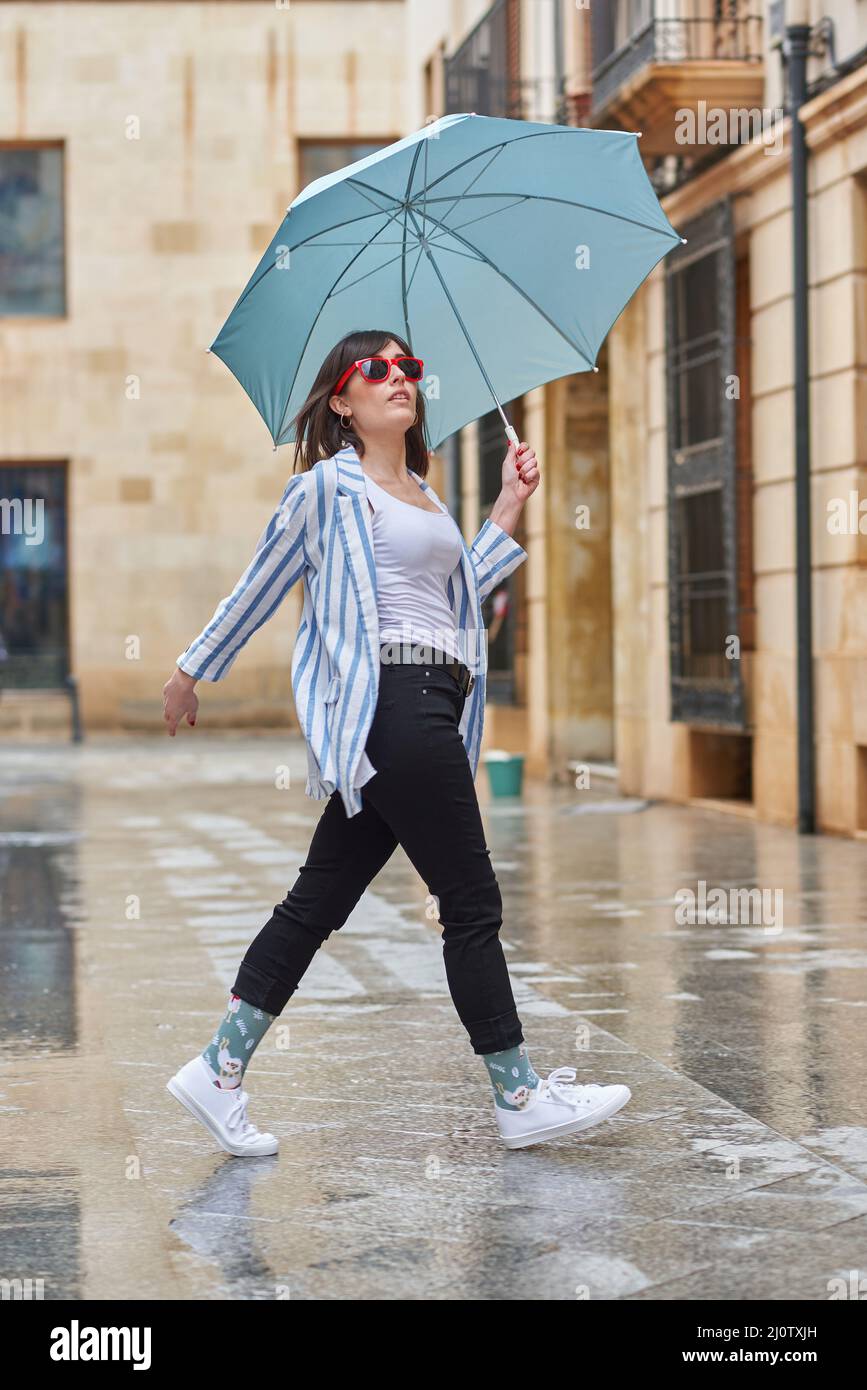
{"x":278,"y":563}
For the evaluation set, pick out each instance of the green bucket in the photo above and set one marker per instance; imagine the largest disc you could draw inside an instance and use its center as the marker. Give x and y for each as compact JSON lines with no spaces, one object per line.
{"x":505,"y":772}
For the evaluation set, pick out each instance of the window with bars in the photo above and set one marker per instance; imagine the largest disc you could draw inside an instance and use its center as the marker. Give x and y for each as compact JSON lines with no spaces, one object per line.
{"x":696,"y":351}
{"x":704,"y":489}
{"x":484,"y":73}
{"x":701,"y":589}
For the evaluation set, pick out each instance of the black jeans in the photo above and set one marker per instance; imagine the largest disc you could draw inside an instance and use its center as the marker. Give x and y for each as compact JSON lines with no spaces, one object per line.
{"x":423,"y":798}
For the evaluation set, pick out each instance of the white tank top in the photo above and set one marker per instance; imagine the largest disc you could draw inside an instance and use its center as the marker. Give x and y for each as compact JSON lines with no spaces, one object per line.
{"x":415,"y":552}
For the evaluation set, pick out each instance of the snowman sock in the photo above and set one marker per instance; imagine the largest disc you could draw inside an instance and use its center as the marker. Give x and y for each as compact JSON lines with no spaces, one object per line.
{"x":239,"y":1031}
{"x":512,"y":1076}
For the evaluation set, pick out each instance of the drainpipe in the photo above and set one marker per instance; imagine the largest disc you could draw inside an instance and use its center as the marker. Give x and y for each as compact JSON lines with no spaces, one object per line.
{"x":560,"y":113}
{"x":796,"y":49}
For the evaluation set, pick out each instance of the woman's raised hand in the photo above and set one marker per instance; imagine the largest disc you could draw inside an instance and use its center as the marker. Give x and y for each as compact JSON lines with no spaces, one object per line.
{"x":521,"y":474}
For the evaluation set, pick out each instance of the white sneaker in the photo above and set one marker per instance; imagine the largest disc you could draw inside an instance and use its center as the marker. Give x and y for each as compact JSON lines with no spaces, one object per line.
{"x":223,"y":1113}
{"x":556,"y":1107}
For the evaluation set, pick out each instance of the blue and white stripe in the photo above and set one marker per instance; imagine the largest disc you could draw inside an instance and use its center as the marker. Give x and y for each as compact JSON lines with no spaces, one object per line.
{"x":321,"y":531}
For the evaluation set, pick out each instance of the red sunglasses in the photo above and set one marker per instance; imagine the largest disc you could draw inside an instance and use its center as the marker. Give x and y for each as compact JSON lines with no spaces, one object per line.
{"x":379,"y":369}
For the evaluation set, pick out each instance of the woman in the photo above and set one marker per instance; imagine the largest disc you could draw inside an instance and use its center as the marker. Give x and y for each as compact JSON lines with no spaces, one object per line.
{"x":392,"y":720}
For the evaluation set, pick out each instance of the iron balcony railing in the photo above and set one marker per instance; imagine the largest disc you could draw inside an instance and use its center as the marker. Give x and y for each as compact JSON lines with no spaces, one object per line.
{"x":627,"y":35}
{"x":518,"y":98}
{"x":484,"y":73}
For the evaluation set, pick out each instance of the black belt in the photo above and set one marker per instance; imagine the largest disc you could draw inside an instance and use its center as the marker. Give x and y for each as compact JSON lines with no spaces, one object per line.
{"x":408,"y":654}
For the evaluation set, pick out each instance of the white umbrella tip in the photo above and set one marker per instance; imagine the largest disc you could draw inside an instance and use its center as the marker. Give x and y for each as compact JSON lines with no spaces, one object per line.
{"x":683,"y":239}
{"x":596,"y":369}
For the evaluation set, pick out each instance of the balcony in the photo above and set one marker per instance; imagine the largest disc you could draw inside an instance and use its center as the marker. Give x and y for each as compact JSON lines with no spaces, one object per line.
{"x":654,"y":58}
{"x":519,"y":98}
{"x":485,"y":73}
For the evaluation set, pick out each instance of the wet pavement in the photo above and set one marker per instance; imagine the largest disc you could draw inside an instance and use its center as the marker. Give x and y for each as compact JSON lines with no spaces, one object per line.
{"x":134,"y":872}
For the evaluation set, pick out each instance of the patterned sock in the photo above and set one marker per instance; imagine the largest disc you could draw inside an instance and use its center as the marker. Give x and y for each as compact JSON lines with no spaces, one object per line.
{"x":239,"y":1031}
{"x":512,"y":1077}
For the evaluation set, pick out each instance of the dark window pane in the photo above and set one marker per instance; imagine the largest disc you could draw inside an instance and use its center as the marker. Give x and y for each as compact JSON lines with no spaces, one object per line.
{"x":493,"y":445}
{"x":31,"y":232}
{"x":698,"y":299}
{"x":33,"y":595}
{"x":699,"y":388}
{"x":697,"y":353}
{"x":702,"y":589}
{"x":321,"y":157}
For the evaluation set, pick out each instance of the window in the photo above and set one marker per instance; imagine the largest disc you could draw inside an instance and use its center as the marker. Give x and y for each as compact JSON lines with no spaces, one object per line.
{"x":696,"y":353}
{"x":706,"y":564}
{"x":701,"y":589}
{"x":34,"y":646}
{"x":316,"y":158}
{"x":32,"y":278}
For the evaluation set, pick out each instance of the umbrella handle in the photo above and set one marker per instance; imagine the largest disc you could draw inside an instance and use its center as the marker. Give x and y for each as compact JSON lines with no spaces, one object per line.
{"x":512,"y":435}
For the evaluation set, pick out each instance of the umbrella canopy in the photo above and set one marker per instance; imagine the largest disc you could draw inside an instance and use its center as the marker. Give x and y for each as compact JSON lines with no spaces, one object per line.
{"x":501,"y":250}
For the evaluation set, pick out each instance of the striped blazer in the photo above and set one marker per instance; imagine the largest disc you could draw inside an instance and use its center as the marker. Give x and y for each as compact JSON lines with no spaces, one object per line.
{"x":321,"y":532}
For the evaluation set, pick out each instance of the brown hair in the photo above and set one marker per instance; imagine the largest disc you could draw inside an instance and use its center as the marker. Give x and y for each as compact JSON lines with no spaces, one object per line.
{"x":319,"y":433}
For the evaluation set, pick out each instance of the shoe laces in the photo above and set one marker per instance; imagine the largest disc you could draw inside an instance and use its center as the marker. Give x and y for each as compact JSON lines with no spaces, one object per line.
{"x":558,"y":1084}
{"x":236,"y":1117}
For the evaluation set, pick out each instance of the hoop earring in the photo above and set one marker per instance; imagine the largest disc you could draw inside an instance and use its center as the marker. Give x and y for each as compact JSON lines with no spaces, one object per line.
{"x":346,"y":423}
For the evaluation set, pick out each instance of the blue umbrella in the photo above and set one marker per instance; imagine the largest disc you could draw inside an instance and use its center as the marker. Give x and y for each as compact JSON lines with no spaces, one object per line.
{"x":501,"y":250}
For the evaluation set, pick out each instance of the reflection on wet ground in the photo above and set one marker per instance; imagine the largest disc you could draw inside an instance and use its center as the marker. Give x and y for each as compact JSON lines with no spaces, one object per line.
{"x":133,"y":873}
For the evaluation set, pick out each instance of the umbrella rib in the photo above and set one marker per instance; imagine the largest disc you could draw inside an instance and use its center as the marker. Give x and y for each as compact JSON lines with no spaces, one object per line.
{"x":404,"y":287}
{"x":519,"y":198}
{"x":409,"y":286}
{"x":360,"y":184}
{"x":441,"y":246}
{"x":374,"y":271}
{"x":424,"y":184}
{"x":326,"y":246}
{"x":459,"y":196}
{"x":254,"y":284}
{"x":481,"y":254}
{"x":401,"y":257}
{"x":453,"y":198}
{"x":550,"y":198}
{"x":513,"y":140}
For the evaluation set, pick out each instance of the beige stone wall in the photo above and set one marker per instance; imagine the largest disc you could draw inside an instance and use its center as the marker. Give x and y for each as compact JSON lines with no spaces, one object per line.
{"x":656,"y":757}
{"x":578,"y":564}
{"x":172,"y":474}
